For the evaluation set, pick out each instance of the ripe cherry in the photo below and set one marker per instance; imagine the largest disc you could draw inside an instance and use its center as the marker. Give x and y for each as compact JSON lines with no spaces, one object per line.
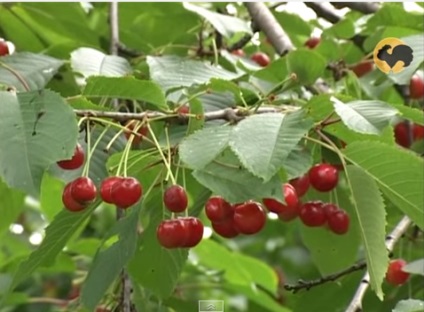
{"x":132,"y":125}
{"x":226,"y":228}
{"x":416,"y":87}
{"x":394,"y":274}
{"x":194,"y":231}
{"x":260,"y":58}
{"x":363,"y":68}
{"x":4,"y":48}
{"x":69,"y":202}
{"x":126,"y":192}
{"x":323,"y":177}
{"x":401,"y":135}
{"x":238,"y":52}
{"x":287,"y":211}
{"x":218,"y":209}
{"x":312,"y":214}
{"x":338,"y":222}
{"x":171,"y":233}
{"x":301,"y":185}
{"x":106,"y":188}
{"x":312,"y":42}
{"x":328,"y":208}
{"x":249,"y":218}
{"x":83,"y":190}
{"x":175,"y":198}
{"x":417,"y":132}
{"x":75,"y":162}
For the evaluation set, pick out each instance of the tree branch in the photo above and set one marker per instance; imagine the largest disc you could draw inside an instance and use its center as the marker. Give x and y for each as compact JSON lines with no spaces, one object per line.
{"x":245,"y":39}
{"x":363,"y":7}
{"x":356,"y":303}
{"x":114,"y":28}
{"x":324,"y":12}
{"x":228,"y":114}
{"x":266,"y":22}
{"x":329,"y":278}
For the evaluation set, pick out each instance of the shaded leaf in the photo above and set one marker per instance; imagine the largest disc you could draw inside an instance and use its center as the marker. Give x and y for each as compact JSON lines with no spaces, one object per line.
{"x":12,"y":203}
{"x":297,"y":163}
{"x":307,"y":65}
{"x":409,"y":305}
{"x":415,"y":267}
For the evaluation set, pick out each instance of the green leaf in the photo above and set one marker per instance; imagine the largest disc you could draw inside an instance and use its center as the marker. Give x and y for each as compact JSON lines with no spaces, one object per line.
{"x":202,"y":147}
{"x":108,"y":263}
{"x":31,"y":122}
{"x":126,"y":88}
{"x":297,"y":163}
{"x":51,"y":196}
{"x":90,"y":62}
{"x":307,"y":65}
{"x":369,"y":209}
{"x":410,"y":113}
{"x":343,"y":29}
{"x":369,"y":117}
{"x":28,"y":71}
{"x":226,"y":25}
{"x":60,"y":230}
{"x":172,"y":72}
{"x":415,"y":267}
{"x":12,"y":203}
{"x":294,"y":26}
{"x":409,"y":305}
{"x":225,"y":176}
{"x":263,"y":142}
{"x":388,"y":166}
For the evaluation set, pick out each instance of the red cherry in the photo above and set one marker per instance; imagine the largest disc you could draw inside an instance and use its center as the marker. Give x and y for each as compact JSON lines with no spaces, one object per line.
{"x":69,"y":202}
{"x":301,"y":185}
{"x":75,"y":162}
{"x":183,"y":110}
{"x":194,"y":231}
{"x":401,"y":135}
{"x":260,"y":58}
{"x":394,"y":274}
{"x":4,"y":49}
{"x":83,"y":190}
{"x":338,"y":222}
{"x":328,"y":208}
{"x":238,"y":52}
{"x":218,"y":209}
{"x":225,"y":228}
{"x":288,"y":211}
{"x":312,"y":42}
{"x":363,"y":68}
{"x":126,"y":192}
{"x":323,"y":177}
{"x":142,"y":131}
{"x":418,"y":132}
{"x":312,"y":214}
{"x":249,"y":218}
{"x":106,"y":188}
{"x":175,"y":198}
{"x":416,"y":87}
{"x":171,"y":233}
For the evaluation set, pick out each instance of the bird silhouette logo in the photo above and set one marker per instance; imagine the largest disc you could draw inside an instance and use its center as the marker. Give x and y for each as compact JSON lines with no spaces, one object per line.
{"x":392,"y":55}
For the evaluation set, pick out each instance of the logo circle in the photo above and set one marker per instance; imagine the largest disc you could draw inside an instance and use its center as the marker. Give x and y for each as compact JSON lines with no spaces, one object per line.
{"x":392,"y":55}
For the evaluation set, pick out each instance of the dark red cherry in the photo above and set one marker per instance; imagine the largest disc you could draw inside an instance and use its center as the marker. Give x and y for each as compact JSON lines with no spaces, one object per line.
{"x":301,"y":184}
{"x":394,"y":274}
{"x":194,"y":231}
{"x":69,"y":202}
{"x":312,"y":214}
{"x":126,"y":192}
{"x":171,"y":233}
{"x":218,"y":209}
{"x":338,"y":222}
{"x":323,"y":177}
{"x":249,"y":218}
{"x":175,"y":198}
{"x":225,"y":228}
{"x":106,"y":188}
{"x":83,"y":190}
{"x":75,"y":162}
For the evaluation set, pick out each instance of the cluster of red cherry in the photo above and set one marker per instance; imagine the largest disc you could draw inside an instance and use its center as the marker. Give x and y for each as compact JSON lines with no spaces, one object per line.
{"x":81,"y":192}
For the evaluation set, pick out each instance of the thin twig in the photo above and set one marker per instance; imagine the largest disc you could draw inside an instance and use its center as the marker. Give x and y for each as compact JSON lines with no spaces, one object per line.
{"x":356,"y":303}
{"x":322,"y":11}
{"x":325,"y":279}
{"x":267,"y":22}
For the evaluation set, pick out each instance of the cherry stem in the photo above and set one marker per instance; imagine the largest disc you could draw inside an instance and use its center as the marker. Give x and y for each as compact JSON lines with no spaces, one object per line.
{"x":86,"y":169}
{"x":334,"y":147}
{"x":169,"y":152}
{"x":90,"y":151}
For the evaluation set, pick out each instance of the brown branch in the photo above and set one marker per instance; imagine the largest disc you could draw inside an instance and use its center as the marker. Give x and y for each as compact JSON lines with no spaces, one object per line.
{"x":267,"y":23}
{"x":324,"y":12}
{"x":244,"y":40}
{"x":363,"y":7}
{"x":325,"y":279}
{"x":356,"y":303}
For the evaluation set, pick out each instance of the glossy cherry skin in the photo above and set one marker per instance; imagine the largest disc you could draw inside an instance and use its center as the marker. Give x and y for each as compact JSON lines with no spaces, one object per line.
{"x":69,"y":202}
{"x":131,"y":125}
{"x":288,"y":211}
{"x":416,"y":87}
{"x":312,"y":214}
{"x":225,"y":228}
{"x":401,"y":135}
{"x":171,"y":233}
{"x":106,"y":188}
{"x":394,"y":275}
{"x":363,"y":68}
{"x":75,"y":162}
{"x":312,"y":42}
{"x":338,"y":222}
{"x":417,"y":132}
{"x":83,"y":190}
{"x":301,"y":185}
{"x":249,"y":218}
{"x":194,"y":231}
{"x":328,"y":208}
{"x":4,"y":49}
{"x":217,"y":209}
{"x":260,"y":58}
{"x":175,"y":198}
{"x":126,"y":192}
{"x":323,"y":177}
